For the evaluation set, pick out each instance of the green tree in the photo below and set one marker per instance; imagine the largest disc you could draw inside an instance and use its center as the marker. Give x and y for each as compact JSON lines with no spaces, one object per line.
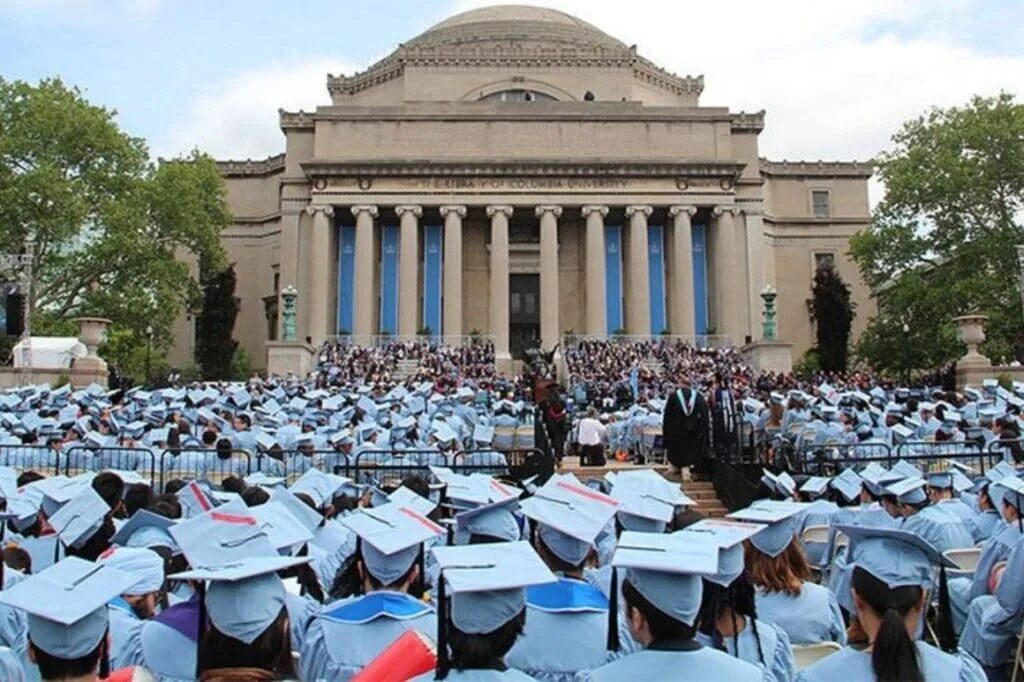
{"x":942,"y":241}
{"x":832,"y":311}
{"x":110,"y":230}
{"x":215,"y":324}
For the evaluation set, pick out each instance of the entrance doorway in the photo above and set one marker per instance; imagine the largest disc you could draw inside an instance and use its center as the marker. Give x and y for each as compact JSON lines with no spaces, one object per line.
{"x":524,"y":314}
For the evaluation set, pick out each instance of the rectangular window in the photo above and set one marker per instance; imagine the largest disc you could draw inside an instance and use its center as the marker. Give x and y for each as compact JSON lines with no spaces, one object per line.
{"x":820,"y":204}
{"x":824,"y":261}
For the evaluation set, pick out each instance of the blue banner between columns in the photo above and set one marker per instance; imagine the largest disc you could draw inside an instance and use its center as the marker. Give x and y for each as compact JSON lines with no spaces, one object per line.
{"x":389,"y":240}
{"x":346,"y":275}
{"x":656,"y":276}
{"x":699,"y":240}
{"x":432,"y":267}
{"x":613,"y":277}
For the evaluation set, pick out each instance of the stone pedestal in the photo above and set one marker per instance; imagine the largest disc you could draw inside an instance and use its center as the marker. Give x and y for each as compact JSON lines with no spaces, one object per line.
{"x":973,"y":367}
{"x":769,"y":356}
{"x":290,"y":357}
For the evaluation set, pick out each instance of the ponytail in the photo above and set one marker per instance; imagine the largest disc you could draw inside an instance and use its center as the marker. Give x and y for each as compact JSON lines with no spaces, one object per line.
{"x":894,"y":657}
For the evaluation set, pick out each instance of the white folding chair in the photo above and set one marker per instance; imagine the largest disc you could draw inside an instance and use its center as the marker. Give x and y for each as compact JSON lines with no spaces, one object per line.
{"x":1018,"y":661}
{"x":965,"y":559}
{"x":808,"y":654}
{"x":818,"y":535}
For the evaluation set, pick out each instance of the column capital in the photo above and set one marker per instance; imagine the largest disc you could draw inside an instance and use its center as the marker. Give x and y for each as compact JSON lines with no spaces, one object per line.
{"x":587,"y":210}
{"x":326,"y":209}
{"x":457,"y":209}
{"x":634,"y":209}
{"x":719,"y":210}
{"x":365,"y":208}
{"x":548,"y":208}
{"x":680,"y":209}
{"x":493,"y":210}
{"x":408,"y":208}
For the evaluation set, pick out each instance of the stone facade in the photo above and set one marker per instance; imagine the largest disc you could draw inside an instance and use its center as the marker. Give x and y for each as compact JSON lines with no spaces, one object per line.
{"x":514,"y":170}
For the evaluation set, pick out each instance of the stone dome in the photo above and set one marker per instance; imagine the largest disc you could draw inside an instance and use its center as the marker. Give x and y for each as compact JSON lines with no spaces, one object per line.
{"x":515,"y":23}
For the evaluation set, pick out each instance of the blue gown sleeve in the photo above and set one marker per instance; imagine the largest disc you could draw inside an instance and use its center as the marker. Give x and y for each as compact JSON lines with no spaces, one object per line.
{"x":836,"y":625}
{"x":1010,"y":593}
{"x":970,"y":669}
{"x":783,"y":667}
{"x":10,"y":667}
{"x":315,"y":662}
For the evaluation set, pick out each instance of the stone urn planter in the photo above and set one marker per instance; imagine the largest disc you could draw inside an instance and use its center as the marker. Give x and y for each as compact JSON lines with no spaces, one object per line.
{"x":92,"y":332}
{"x":971,"y":331}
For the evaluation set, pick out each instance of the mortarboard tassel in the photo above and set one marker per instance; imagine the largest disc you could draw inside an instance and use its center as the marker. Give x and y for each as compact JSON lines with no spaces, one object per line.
{"x":201,"y":589}
{"x":443,"y":664}
{"x":104,"y":671}
{"x":613,"y":612}
{"x":947,"y":638}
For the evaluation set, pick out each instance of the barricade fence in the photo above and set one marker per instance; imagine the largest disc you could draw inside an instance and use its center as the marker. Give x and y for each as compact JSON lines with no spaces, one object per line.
{"x":376,"y":467}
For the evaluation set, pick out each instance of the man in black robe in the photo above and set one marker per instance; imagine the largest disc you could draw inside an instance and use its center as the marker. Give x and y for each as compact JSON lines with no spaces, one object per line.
{"x":684,"y":428}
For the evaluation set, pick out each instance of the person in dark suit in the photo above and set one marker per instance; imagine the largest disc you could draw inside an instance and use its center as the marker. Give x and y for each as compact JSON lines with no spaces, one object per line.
{"x":684,"y":428}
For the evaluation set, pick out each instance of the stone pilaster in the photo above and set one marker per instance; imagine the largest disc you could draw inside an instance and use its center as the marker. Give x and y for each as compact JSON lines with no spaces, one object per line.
{"x":681,"y":297}
{"x":499,"y":216}
{"x":596,"y":318}
{"x":318,"y":273}
{"x":730,"y":276}
{"x":452,"y":315}
{"x":638,"y":302}
{"x":550,"y":301}
{"x":408,"y":268}
{"x":365,"y":294}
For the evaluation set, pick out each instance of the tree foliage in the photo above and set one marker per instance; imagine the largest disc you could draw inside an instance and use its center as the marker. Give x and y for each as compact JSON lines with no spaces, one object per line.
{"x":215,"y":347}
{"x":942,"y":242}
{"x":108,"y":227}
{"x":832,"y":310}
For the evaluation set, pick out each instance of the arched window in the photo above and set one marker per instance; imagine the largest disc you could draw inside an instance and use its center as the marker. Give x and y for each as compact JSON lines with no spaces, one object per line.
{"x":518,"y":96}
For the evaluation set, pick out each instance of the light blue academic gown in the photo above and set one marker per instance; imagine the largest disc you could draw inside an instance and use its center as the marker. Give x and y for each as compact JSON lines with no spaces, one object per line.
{"x":962,"y":591}
{"x":957,"y":508}
{"x":812,"y":616}
{"x":697,"y":665}
{"x":942,"y":529}
{"x":10,"y":667}
{"x":509,"y":675}
{"x":125,"y":631}
{"x":985,"y":524}
{"x":993,"y":621}
{"x":568,"y":608}
{"x":349,"y":633}
{"x":14,"y":629}
{"x":167,"y":653}
{"x":774,"y":655}
{"x":850,"y":665}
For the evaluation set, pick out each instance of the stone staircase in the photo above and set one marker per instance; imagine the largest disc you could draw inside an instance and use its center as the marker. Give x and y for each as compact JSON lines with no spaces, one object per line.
{"x":700,"y":489}
{"x":405,"y":368}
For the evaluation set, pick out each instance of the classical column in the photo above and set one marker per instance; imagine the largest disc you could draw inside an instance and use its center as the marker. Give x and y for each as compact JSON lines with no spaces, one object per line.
{"x":753,"y":230}
{"x":596,"y":318}
{"x":682,"y":270}
{"x":451,"y":324}
{"x":408,"y":268}
{"x":499,"y":216}
{"x":365,"y":288}
{"x":638,"y":303}
{"x":549,"y":300}
{"x":318,"y":275}
{"x":730,"y":276}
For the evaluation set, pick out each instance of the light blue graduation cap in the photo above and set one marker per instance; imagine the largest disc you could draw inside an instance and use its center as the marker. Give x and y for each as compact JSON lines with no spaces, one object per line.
{"x":493,"y":520}
{"x":391,"y":536}
{"x":728,"y":536}
{"x":896,"y":557}
{"x":487,"y":584}
{"x":404,"y":497}
{"x":1000,"y":471}
{"x":286,"y":533}
{"x":905,"y":469}
{"x":848,"y":483}
{"x":67,"y":605}
{"x":319,"y":486}
{"x":647,"y":500}
{"x":366,"y":404}
{"x":780,"y":528}
{"x":909,"y":490}
{"x":146,"y":529}
{"x":1013,"y":492}
{"x":940,"y":480}
{"x":308,"y":517}
{"x":145,"y":566}
{"x":570,"y":516}
{"x":483,"y":433}
{"x":80,"y":518}
{"x":667,"y":570}
{"x":815,"y":486}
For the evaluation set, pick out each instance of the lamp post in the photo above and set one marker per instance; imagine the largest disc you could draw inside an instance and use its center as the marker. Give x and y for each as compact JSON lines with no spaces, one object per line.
{"x":149,"y":351}
{"x":906,"y":353}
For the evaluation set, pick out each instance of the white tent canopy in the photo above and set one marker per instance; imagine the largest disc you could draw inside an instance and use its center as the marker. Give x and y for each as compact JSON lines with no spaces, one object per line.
{"x":48,"y":352}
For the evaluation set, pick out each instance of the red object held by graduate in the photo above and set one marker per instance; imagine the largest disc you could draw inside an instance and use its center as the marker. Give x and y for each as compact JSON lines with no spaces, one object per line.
{"x":410,"y":655}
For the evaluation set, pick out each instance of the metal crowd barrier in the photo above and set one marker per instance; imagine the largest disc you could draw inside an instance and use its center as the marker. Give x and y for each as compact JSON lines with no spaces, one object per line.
{"x":830,"y":458}
{"x":77,"y":459}
{"x":203,"y":464}
{"x":41,"y":458}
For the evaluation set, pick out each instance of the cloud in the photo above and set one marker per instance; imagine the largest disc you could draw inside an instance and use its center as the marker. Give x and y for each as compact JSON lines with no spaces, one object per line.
{"x":238,"y":118}
{"x":78,"y":12}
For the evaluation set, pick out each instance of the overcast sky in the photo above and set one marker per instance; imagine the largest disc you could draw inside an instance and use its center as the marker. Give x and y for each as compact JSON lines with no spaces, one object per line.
{"x":836,"y":78}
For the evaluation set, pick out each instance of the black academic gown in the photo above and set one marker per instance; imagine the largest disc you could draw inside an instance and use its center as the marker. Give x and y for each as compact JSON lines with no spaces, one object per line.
{"x":684,"y":428}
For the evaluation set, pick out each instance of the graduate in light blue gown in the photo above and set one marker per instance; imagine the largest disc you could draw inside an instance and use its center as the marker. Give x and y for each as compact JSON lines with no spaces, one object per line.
{"x":662,"y":591}
{"x":989,"y":520}
{"x":941,"y":493}
{"x":892,"y":574}
{"x":567,"y":518}
{"x":10,"y":666}
{"x":66,"y":607}
{"x":130,"y":610}
{"x":819,"y":512}
{"x":806,"y":611}
{"x":169,"y":642}
{"x":994,"y":621}
{"x":943,"y":530}
{"x":482,"y":610}
{"x":728,"y":616}
{"x":349,"y":633}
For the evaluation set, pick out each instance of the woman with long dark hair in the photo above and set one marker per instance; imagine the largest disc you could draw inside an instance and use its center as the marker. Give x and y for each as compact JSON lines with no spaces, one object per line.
{"x":892,"y":577}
